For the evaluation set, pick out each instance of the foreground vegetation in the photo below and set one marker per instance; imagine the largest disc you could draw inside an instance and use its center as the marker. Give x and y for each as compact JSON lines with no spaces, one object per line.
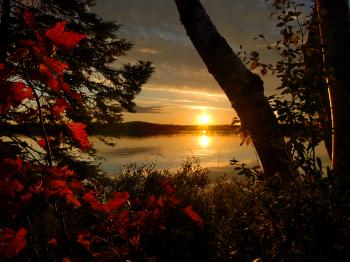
{"x":244,"y":219}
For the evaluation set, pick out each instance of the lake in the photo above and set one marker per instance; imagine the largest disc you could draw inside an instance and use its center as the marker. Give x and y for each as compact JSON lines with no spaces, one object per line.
{"x":213,"y":149}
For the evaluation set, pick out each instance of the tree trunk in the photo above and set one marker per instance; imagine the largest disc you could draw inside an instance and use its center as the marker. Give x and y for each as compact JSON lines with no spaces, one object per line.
{"x":243,"y":88}
{"x":336,"y":24}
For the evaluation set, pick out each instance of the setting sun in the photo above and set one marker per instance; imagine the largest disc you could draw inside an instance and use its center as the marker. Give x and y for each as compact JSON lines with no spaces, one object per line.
{"x":204,"y":119}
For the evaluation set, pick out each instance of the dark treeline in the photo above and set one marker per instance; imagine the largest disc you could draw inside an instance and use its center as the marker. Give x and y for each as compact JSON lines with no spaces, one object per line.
{"x":135,"y":129}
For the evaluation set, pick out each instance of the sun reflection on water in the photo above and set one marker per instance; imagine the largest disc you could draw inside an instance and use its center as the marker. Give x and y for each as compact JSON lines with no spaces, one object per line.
{"x":204,"y":141}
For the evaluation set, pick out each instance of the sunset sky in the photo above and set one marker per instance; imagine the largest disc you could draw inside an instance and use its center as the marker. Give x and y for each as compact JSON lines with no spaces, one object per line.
{"x":181,"y":88}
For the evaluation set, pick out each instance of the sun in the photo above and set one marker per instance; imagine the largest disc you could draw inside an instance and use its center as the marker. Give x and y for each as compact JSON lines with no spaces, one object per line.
{"x":204,"y":118}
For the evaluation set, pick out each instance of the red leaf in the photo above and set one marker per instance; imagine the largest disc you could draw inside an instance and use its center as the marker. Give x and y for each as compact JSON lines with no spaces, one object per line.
{"x":12,"y":94}
{"x":21,"y":91}
{"x":123,"y":217}
{"x":20,"y":241}
{"x":70,"y":198}
{"x":52,"y":242}
{"x":60,"y":106}
{"x":55,"y":65}
{"x":66,"y":259}
{"x":42,"y":142}
{"x":92,"y":200}
{"x":140,"y":218}
{"x":174,"y":201}
{"x":27,"y":196}
{"x":75,"y":96}
{"x":61,"y":172}
{"x":65,"y":87}
{"x":12,"y":242}
{"x":76,"y":184}
{"x":161,"y":202}
{"x":57,"y":184}
{"x":193,"y":215}
{"x":30,"y":20}
{"x":78,"y":133}
{"x":62,"y":38}
{"x":14,"y":187}
{"x":84,"y":240}
{"x":2,"y":66}
{"x":53,"y":83}
{"x":117,"y":201}
{"x":152,"y":199}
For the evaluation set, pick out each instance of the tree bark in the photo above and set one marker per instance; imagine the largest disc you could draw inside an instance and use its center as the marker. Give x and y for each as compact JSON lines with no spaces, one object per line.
{"x":243,"y":88}
{"x":336,"y":23}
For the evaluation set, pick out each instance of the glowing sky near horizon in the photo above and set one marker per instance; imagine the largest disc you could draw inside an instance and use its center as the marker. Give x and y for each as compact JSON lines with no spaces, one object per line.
{"x":181,"y":87}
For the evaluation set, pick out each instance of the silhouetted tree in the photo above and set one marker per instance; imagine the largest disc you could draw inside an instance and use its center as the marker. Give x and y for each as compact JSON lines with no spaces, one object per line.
{"x":93,"y":71}
{"x":87,"y":83}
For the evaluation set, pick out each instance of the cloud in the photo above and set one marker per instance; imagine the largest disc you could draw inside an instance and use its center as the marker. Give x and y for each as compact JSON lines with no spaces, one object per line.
{"x":146,"y":50}
{"x":181,"y":80}
{"x":149,"y":109}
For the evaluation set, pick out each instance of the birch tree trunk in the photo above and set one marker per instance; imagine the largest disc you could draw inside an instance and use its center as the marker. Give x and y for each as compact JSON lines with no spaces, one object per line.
{"x":244,"y":89}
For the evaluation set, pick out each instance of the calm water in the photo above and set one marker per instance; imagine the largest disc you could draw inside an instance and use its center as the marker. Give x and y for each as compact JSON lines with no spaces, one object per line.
{"x":214,"y":151}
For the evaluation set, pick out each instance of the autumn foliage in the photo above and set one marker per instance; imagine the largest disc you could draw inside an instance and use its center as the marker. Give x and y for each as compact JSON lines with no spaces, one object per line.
{"x":36,"y":190}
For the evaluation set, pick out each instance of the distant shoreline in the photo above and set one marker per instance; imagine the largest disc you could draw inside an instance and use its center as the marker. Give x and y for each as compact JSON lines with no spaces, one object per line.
{"x":127,"y":129}
{"x":139,"y":129}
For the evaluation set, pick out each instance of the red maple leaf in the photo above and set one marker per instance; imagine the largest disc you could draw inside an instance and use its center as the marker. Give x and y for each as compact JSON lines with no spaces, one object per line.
{"x":57,"y":184}
{"x":174,"y":201}
{"x":70,"y":198}
{"x":76,"y":185}
{"x":62,"y":38}
{"x":30,"y":20}
{"x":60,"y":106}
{"x":55,"y":65}
{"x":78,"y":133}
{"x":123,"y":217}
{"x":14,"y":187}
{"x":193,"y":215}
{"x":12,"y":242}
{"x":52,"y":242}
{"x":21,"y":91}
{"x":20,"y":242}
{"x":53,"y":83}
{"x":84,"y":240}
{"x":42,"y":143}
{"x":12,"y":94}
{"x":119,"y":199}
{"x":92,"y":200}
{"x":61,"y":172}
